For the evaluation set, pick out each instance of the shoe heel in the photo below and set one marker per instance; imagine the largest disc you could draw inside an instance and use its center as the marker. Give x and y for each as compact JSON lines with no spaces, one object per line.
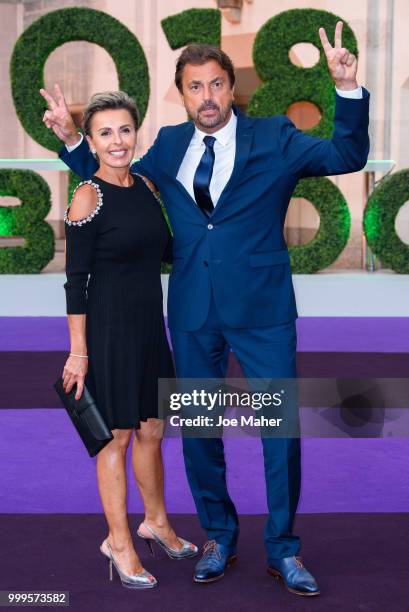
{"x":111,"y":577}
{"x":184,"y":553}
{"x":274,"y":573}
{"x":150,"y":546}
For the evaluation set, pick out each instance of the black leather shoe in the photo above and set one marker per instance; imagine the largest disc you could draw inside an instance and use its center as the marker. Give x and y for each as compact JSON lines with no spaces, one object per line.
{"x":214,"y":561}
{"x":294,"y":576}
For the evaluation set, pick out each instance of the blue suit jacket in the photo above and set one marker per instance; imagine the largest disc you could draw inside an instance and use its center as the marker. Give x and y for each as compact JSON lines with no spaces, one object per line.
{"x":240,"y":252}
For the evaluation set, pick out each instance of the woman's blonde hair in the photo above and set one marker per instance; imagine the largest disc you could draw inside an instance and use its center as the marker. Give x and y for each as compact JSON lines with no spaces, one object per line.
{"x":108,"y":100}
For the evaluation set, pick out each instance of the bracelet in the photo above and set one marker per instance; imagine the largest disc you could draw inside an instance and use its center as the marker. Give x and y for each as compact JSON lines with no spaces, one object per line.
{"x":76,"y":355}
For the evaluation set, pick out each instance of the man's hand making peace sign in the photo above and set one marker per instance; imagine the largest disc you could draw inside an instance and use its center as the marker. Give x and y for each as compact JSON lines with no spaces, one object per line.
{"x":58,"y":117}
{"x":342,"y":64}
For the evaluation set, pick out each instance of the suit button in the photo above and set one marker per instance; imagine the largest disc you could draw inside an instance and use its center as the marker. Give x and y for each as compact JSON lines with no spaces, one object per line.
{"x":205,"y":263}
{"x":210,"y":226}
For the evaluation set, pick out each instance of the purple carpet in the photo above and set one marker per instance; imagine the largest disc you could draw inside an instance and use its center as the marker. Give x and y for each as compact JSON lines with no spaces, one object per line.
{"x":321,"y":334}
{"x":27,"y":376}
{"x":360,"y":562}
{"x":48,"y":470}
{"x":339,"y":475}
{"x":353,"y":516}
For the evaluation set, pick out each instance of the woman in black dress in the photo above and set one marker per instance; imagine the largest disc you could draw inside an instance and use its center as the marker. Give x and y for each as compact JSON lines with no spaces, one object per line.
{"x":116,"y":238}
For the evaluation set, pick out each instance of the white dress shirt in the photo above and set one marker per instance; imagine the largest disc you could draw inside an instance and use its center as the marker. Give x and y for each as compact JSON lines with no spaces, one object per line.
{"x":224,"y":153}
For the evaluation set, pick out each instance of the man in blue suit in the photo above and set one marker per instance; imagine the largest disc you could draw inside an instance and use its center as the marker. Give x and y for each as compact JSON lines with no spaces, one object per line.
{"x":226,"y":180}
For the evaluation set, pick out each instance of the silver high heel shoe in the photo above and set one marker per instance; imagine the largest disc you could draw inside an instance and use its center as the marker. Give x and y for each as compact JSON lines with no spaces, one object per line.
{"x":189,"y":550}
{"x":144,"y":580}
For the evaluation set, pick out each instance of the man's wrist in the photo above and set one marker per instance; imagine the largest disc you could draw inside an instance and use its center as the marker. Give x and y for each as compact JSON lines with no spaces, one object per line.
{"x":71,"y":148}
{"x":72,"y":139}
{"x":346,"y":85}
{"x":351,"y":94}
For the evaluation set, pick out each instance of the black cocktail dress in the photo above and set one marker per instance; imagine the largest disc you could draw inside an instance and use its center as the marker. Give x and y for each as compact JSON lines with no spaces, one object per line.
{"x":113,"y":260}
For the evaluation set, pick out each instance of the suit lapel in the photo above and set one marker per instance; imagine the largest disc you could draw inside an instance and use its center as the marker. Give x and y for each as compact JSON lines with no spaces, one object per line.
{"x":244,"y":139}
{"x":180,"y":147}
{"x":177,"y":153}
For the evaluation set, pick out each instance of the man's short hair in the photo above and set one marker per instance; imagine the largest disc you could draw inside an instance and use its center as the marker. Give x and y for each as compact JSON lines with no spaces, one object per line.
{"x":197,"y":55}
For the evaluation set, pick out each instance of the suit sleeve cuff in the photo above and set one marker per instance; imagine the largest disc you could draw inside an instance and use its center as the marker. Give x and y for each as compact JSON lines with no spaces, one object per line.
{"x":71,"y":148}
{"x":353,"y":94}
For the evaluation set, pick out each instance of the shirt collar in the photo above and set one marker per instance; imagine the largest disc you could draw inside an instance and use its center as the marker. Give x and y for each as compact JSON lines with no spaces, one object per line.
{"x":224,"y":135}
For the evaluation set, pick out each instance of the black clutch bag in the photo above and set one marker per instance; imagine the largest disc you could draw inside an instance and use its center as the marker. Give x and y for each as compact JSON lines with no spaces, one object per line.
{"x":87,"y":420}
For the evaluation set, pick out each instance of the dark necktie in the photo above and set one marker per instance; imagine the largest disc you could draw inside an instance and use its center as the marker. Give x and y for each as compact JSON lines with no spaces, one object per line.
{"x":203,"y":175}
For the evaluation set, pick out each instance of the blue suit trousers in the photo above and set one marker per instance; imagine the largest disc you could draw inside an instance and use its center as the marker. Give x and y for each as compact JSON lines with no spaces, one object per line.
{"x":263,"y":352}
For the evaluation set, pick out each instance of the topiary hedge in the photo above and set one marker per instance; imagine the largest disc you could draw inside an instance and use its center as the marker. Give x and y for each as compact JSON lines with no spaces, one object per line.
{"x":27,"y":221}
{"x":333,"y":232}
{"x":379,"y":221}
{"x":283,"y":85}
{"x":283,"y":82}
{"x":50,"y":32}
{"x":193,"y":26}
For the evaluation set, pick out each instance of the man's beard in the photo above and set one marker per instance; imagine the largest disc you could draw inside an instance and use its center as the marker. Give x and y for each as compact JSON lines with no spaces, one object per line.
{"x":211,"y":122}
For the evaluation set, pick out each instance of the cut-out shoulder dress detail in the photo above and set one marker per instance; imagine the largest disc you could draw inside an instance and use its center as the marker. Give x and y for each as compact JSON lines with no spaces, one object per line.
{"x":93,"y":213}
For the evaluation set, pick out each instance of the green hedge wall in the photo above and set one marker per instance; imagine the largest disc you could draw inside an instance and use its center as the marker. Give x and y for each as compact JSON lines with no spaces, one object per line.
{"x":193,"y":26}
{"x":27,"y":76}
{"x":333,"y":232}
{"x":379,"y":221}
{"x":27,"y":221}
{"x":50,"y":32}
{"x":283,"y":82}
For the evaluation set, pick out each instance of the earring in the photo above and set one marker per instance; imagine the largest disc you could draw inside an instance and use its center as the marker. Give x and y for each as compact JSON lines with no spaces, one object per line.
{"x":93,"y":151}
